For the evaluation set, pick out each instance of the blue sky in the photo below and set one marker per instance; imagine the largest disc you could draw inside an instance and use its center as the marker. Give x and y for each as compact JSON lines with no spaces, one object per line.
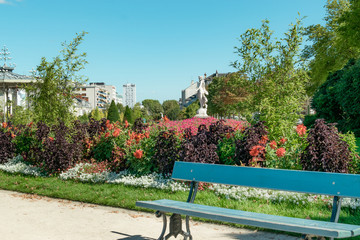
{"x":160,"y":45}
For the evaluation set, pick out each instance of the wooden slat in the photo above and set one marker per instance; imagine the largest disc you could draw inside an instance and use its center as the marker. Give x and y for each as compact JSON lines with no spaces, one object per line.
{"x":333,"y":184}
{"x":320,"y":228}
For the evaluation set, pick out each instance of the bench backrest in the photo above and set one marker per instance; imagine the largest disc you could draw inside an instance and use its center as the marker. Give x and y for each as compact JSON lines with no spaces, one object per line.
{"x":333,"y":184}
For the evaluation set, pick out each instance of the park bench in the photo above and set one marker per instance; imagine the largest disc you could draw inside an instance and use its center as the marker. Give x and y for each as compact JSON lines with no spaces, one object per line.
{"x":321,"y":183}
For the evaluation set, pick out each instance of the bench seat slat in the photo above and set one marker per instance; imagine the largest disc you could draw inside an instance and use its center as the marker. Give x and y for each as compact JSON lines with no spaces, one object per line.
{"x":320,"y":228}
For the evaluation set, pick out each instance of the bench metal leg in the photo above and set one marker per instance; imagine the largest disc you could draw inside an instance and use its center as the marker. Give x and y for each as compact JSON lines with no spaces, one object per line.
{"x":175,"y":226}
{"x":159,"y":214}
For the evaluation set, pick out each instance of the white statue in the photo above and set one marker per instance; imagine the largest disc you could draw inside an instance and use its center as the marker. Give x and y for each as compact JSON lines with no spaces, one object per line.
{"x":201,"y":92}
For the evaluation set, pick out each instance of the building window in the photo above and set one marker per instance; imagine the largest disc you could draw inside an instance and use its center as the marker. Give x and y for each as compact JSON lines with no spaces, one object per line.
{"x":84,"y":89}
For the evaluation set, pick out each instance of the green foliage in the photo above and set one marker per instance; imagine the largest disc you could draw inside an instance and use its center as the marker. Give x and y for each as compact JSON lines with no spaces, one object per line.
{"x":51,"y":96}
{"x":309,"y":120}
{"x":128,"y":115}
{"x":103,"y":150}
{"x":120,"y":107}
{"x":97,"y":114}
{"x":84,"y":118}
{"x":350,"y":24}
{"x":294,"y":146}
{"x":334,"y":43}
{"x":338,"y":99}
{"x":229,"y":95}
{"x":171,"y":109}
{"x":190,"y":111}
{"x":21,"y":116}
{"x":350,"y":139}
{"x":113,"y":112}
{"x":153,"y":108}
{"x":277,"y":76}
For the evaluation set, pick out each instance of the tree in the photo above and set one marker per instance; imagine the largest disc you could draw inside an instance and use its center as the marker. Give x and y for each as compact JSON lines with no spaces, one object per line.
{"x":190,"y":111}
{"x":277,"y":75}
{"x":51,"y":97}
{"x":332,"y":47}
{"x":137,"y":111}
{"x":153,"y":108}
{"x":229,"y":95}
{"x":113,"y":112}
{"x":338,"y":99}
{"x":128,"y":115}
{"x":97,"y":114}
{"x":350,"y":24}
{"x":120,"y":107}
{"x":171,"y":109}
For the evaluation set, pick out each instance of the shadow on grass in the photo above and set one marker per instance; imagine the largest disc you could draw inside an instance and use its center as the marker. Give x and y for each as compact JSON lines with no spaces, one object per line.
{"x":132,"y":237}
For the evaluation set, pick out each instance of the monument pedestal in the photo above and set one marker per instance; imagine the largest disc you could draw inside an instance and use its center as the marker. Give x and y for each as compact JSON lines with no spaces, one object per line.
{"x":201,"y":113}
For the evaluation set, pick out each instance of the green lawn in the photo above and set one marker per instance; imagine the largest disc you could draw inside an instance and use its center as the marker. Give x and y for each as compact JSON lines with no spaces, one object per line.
{"x":126,"y":196}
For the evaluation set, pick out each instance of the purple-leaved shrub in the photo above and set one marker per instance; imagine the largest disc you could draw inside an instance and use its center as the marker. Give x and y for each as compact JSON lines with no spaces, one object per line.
{"x":326,"y":151}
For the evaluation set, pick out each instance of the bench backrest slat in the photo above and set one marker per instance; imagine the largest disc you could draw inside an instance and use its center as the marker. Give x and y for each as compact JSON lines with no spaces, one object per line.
{"x":333,"y":184}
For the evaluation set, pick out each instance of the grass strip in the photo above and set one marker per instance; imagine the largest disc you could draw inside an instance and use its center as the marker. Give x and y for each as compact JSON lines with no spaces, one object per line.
{"x":118,"y":195}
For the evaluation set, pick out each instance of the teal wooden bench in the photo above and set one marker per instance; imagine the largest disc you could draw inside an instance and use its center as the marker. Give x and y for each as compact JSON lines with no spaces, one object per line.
{"x":321,"y":183}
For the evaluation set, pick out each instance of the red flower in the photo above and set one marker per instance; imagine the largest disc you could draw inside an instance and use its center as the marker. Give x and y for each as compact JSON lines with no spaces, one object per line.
{"x":264,"y":140}
{"x":109,"y":125}
{"x":147,"y":134}
{"x":116,"y":132}
{"x":256,"y":150}
{"x":280,"y":152}
{"x":273,"y":144}
{"x":283,"y":140}
{"x":51,"y":138}
{"x":301,"y":130}
{"x":126,"y":124}
{"x":107,"y":134}
{"x":4,"y":124}
{"x":138,"y":154}
{"x":13,"y":135}
{"x":166,"y":119}
{"x":30,"y":124}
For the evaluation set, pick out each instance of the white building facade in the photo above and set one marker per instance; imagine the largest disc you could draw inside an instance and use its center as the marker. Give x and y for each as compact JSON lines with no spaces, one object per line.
{"x":129,"y":95}
{"x":97,"y":96}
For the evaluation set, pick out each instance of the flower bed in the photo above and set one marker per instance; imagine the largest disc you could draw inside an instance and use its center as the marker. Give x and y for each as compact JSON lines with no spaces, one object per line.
{"x":80,"y":173}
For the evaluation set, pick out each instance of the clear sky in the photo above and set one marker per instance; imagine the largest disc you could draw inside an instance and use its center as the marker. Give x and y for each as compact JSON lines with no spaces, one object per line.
{"x":159,"y":45}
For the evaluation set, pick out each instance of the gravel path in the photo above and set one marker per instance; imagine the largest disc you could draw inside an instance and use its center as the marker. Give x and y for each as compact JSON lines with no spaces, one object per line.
{"x":32,"y":217}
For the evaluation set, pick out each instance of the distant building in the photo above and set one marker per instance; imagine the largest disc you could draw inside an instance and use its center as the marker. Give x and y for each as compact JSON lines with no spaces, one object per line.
{"x":96,"y":95}
{"x":189,"y":94}
{"x":81,"y":106}
{"x":129,"y":95}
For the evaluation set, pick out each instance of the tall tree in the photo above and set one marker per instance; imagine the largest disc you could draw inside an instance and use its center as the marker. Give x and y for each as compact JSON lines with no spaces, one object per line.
{"x":128,"y":115}
{"x":153,"y":108}
{"x":113,"y":112}
{"x":276,"y":73}
{"x":171,"y":109}
{"x":333,"y":44}
{"x":51,"y":97}
{"x":229,"y":95}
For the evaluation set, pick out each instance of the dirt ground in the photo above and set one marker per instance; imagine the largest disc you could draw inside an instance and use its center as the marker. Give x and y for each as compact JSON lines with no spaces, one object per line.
{"x":32,"y":217}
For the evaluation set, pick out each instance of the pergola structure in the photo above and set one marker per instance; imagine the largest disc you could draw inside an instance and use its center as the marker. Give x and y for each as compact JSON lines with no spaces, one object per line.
{"x":10,"y":84}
